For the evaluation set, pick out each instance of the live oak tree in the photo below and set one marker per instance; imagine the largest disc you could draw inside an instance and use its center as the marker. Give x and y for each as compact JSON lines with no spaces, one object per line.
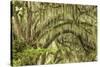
{"x":49,"y":33}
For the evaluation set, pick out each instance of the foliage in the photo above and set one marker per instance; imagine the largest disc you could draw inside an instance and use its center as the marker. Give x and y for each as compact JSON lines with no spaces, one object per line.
{"x":50,"y":33}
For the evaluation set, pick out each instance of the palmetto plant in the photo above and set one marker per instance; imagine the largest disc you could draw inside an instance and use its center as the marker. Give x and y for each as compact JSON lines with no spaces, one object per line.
{"x":49,"y":33}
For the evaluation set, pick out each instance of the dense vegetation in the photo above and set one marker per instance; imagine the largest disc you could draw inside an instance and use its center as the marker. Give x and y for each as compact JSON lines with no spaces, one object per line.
{"x":50,"y":33}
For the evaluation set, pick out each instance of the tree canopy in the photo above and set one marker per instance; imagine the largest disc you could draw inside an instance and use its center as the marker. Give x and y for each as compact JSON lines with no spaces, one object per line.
{"x":52,"y":33}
